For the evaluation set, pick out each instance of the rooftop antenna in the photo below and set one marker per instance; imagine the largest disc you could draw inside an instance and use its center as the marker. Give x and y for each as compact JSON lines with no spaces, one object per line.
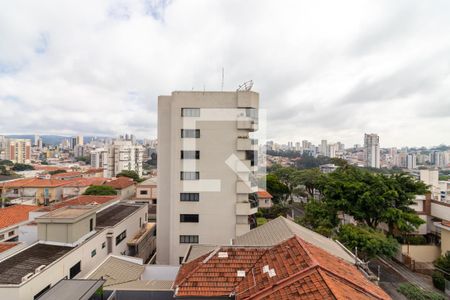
{"x":223,"y":77}
{"x":246,"y":86}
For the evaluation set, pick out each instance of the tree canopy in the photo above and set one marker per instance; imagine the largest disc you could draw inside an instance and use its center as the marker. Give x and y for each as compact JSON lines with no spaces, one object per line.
{"x":57,"y":172}
{"x":22,"y":167}
{"x":130,"y":174}
{"x":100,"y":190}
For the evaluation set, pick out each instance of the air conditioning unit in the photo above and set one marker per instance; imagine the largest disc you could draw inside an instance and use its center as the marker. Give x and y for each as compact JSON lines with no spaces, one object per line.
{"x":26,"y":277}
{"x":39,"y":269}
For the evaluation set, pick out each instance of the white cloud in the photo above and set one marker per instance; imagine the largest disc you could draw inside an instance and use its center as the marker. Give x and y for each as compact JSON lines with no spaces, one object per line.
{"x":324,"y":69}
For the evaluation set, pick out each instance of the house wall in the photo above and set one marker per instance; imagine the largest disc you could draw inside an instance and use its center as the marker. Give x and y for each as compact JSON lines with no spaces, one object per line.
{"x":64,"y":232}
{"x":422,"y":253}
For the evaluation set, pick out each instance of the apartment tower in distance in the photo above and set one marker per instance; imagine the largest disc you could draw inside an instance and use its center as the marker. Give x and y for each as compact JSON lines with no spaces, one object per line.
{"x":206,"y":163}
{"x":18,"y":150}
{"x":372,"y":150}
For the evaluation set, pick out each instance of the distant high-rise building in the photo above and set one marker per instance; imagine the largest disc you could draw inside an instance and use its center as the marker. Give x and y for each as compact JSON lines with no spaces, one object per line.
{"x":411,"y":161}
{"x":18,"y":150}
{"x":372,"y":150}
{"x":298,"y":146}
{"x":117,"y":157}
{"x":79,"y":140}
{"x":323,"y":148}
{"x":202,"y":197}
{"x":332,"y":150}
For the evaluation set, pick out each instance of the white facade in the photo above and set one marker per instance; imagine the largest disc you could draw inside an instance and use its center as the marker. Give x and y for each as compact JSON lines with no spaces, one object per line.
{"x":209,"y":183}
{"x":372,"y":150}
{"x":117,"y":157}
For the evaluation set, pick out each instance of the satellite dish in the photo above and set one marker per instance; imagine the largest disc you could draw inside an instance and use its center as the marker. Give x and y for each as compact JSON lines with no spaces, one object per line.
{"x":246,"y":86}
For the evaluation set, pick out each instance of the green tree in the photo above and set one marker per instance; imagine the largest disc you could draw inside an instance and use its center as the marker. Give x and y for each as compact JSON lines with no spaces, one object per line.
{"x":442,"y":271}
{"x":129,"y":174}
{"x":276,"y":188}
{"x":320,"y":217}
{"x":22,"y":167}
{"x":5,"y":162}
{"x":368,"y":241}
{"x":100,"y":190}
{"x":310,"y":179}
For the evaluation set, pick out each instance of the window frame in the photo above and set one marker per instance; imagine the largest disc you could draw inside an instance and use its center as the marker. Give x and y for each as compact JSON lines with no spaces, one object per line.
{"x":190,"y":154}
{"x":183,"y":175}
{"x":190,"y":112}
{"x":189,"y":197}
{"x":189,"y":239}
{"x":186,"y":133}
{"x":189,"y":218}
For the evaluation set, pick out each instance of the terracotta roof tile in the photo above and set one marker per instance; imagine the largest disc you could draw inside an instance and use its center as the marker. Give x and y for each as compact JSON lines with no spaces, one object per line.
{"x":34,"y":182}
{"x":120,"y":183}
{"x":6,"y":246}
{"x":84,"y":182}
{"x":290,"y":270}
{"x":80,"y":200}
{"x":66,"y":175}
{"x":15,"y":214}
{"x":263,"y":194}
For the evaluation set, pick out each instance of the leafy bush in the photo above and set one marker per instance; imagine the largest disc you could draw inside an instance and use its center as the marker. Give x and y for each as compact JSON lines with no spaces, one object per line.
{"x":438,"y":280}
{"x":100,"y":190}
{"x":416,"y":240}
{"x":413,"y":292}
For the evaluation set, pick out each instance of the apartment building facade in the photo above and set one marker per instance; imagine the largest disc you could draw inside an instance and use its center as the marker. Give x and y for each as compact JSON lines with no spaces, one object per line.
{"x":372,"y":150}
{"x":206,"y":160}
{"x":18,"y":150}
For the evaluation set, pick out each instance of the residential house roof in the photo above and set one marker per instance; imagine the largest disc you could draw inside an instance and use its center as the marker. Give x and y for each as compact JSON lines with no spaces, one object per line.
{"x":280,"y":229}
{"x":5,"y":246}
{"x":80,"y":200}
{"x":34,"y":183}
{"x":73,"y":289}
{"x":263,"y":194}
{"x":293,"y":269}
{"x":120,"y":183}
{"x":93,"y":171}
{"x":67,"y":175}
{"x":84,"y":182}
{"x":149,"y":182}
{"x":15,"y":214}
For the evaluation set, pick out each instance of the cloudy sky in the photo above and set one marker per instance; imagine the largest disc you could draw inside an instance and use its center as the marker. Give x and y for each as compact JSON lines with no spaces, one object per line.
{"x":324,"y":69}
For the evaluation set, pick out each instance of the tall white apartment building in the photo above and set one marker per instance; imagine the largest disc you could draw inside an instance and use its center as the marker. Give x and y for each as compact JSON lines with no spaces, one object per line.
{"x":411,"y":161}
{"x":324,"y":148}
{"x":117,"y":157}
{"x":18,"y":150}
{"x":79,"y":140}
{"x":206,"y":160}
{"x":372,"y":150}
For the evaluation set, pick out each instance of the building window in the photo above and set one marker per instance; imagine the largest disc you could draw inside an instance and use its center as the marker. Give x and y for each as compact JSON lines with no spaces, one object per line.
{"x":91,"y":224}
{"x":189,"y":218}
{"x":103,"y":245}
{"x":188,"y":239}
{"x":140,"y":222}
{"x":76,"y":268}
{"x":11,"y":233}
{"x":188,"y":154}
{"x":190,"y":112}
{"x":2,"y":236}
{"x":180,"y":259}
{"x":121,"y":237}
{"x":189,"y":197}
{"x":190,"y":175}
{"x":190,"y":133}
{"x":143,"y":192}
{"x":93,"y":252}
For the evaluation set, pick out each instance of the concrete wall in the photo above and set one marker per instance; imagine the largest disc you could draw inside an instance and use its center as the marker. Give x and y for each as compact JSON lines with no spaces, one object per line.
{"x":422,"y":253}
{"x":65,"y":232}
{"x":445,"y":241}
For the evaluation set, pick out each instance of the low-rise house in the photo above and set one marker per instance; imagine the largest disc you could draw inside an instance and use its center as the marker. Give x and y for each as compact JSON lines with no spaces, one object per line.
{"x":143,"y":244}
{"x":41,"y":191}
{"x":146,"y":192}
{"x":93,"y":172}
{"x":125,"y":187}
{"x":264,"y":199}
{"x":78,"y":186}
{"x":291,"y":269}
{"x":11,"y":218}
{"x":73,"y":241}
{"x":67,"y":175}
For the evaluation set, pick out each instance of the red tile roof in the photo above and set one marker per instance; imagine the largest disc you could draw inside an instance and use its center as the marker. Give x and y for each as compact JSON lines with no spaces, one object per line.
{"x":34,"y":182}
{"x":120,"y":183}
{"x":80,"y":200}
{"x":263,"y":194}
{"x":6,"y":246}
{"x":67,"y":175}
{"x":83,"y":182}
{"x":50,"y":168}
{"x":15,"y":214}
{"x":94,"y":170}
{"x":300,"y":271}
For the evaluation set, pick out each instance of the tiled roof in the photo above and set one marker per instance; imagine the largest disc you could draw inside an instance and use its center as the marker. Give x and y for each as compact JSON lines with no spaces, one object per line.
{"x":5,"y":246}
{"x":93,"y":170}
{"x":120,"y":183}
{"x":50,"y":168}
{"x":263,"y":194}
{"x":293,"y":269}
{"x":66,"y":175}
{"x":15,"y":214}
{"x":34,"y":182}
{"x":80,"y":200}
{"x":83,"y":182}
{"x":280,"y":229}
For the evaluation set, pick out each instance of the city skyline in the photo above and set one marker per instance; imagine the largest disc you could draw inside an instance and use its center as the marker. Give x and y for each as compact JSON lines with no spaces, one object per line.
{"x":99,"y":73}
